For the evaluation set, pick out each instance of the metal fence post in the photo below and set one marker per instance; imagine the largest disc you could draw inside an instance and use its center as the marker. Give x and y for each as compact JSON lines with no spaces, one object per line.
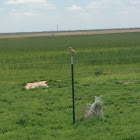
{"x":73,"y":98}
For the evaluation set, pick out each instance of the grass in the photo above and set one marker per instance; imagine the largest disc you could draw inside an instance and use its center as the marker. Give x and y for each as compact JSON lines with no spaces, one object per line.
{"x":106,"y":65}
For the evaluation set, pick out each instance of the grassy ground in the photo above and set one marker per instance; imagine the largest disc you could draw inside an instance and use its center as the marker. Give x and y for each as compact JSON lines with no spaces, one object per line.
{"x":106,"y":65}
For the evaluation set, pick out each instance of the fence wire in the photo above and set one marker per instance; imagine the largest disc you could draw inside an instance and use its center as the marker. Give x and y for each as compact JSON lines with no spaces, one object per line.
{"x":68,"y":99}
{"x":33,"y":112}
{"x":68,"y":62}
{"x":123,"y":82}
{"x":69,"y":110}
{"x":63,"y":74}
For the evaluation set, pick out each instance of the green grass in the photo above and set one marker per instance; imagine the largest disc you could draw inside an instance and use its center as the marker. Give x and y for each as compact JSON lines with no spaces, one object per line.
{"x":107,"y":65}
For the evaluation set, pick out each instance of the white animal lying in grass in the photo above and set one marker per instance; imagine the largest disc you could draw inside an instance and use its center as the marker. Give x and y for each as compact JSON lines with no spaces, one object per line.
{"x":95,"y":109}
{"x":36,"y":84}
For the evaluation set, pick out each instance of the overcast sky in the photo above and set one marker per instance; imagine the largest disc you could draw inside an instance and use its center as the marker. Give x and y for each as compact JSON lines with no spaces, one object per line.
{"x":45,"y":15}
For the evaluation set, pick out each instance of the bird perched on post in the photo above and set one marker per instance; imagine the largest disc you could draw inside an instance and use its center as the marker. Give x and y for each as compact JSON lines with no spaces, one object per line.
{"x":72,"y":50}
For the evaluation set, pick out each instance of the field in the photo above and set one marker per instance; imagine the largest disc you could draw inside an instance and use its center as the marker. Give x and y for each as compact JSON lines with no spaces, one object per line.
{"x":68,"y":33}
{"x":107,"y":65}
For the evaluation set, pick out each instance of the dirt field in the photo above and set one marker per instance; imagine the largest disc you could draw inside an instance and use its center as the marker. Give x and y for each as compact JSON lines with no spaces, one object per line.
{"x":68,"y":33}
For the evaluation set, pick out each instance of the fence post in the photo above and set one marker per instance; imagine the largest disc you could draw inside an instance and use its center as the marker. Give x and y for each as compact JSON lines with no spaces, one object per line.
{"x":73,"y":98}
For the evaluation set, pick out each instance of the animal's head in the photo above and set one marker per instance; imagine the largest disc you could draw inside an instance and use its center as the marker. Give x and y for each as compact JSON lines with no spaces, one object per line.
{"x":98,"y":100}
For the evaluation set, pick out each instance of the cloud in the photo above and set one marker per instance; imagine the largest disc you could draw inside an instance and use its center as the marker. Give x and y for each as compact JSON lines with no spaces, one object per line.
{"x":102,"y":4}
{"x":74,"y":8}
{"x":135,"y":2}
{"x":96,"y":4}
{"x":19,"y":12}
{"x":29,"y":7}
{"x":113,"y":8}
{"x":112,"y":14}
{"x":119,"y":4}
{"x":1,"y":9}
{"x":31,"y":3}
{"x":14,"y":2}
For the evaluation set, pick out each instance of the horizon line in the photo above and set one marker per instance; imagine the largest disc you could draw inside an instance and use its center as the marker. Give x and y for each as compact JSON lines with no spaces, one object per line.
{"x":59,"y":31}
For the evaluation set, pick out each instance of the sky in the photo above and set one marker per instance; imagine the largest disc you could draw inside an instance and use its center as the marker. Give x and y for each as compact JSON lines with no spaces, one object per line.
{"x":50,"y":15}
